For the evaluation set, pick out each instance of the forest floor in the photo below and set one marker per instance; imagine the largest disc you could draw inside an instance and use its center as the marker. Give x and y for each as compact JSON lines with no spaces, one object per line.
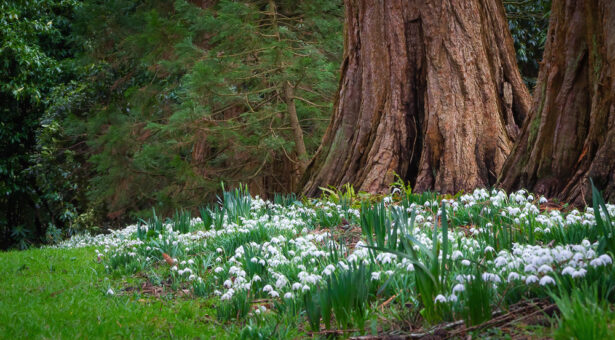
{"x":405,"y":266}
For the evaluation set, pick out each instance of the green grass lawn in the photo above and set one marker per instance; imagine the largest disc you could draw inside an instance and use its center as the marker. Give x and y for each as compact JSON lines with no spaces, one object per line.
{"x":62,"y":294}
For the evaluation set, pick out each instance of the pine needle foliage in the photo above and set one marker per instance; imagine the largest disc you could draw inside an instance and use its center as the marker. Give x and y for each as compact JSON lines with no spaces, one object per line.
{"x":204,"y":94}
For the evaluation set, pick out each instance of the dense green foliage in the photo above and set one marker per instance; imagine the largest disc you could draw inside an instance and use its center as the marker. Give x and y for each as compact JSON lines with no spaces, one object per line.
{"x":36,"y":52}
{"x":196,"y":97}
{"x":528,"y":21}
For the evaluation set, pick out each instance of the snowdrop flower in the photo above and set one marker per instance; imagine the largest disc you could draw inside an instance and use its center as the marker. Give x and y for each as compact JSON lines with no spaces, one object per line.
{"x":274,"y":294}
{"x":606,"y":259}
{"x":547,"y":280}
{"x":219,"y":250}
{"x":542,"y":200}
{"x":530,"y":268}
{"x":459,"y":288}
{"x":440,"y":298}
{"x":297,"y":286}
{"x":531,"y":279}
{"x":227,"y":296}
{"x":513,"y":276}
{"x":491,"y":277}
{"x":568,"y":271}
{"x":456,"y":254}
{"x":489,"y":249}
{"x":267,"y":288}
{"x":545,"y":269}
{"x":191,"y":277}
{"x":256,"y":278}
{"x":218,"y":270}
{"x":452,"y":298}
{"x":174,"y":268}
{"x":228,"y":283}
{"x":305,"y":288}
{"x":579,"y":273}
{"x":110,"y":292}
{"x":288,"y":295}
{"x":465,"y":262}
{"x":376,"y":276}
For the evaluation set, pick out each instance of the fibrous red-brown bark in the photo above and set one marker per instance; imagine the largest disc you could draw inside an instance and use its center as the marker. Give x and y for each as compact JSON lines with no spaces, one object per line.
{"x":569,"y":135}
{"x":430,"y":90}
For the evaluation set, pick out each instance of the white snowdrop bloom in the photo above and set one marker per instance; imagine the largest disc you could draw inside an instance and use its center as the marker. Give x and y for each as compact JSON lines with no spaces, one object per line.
{"x":227,"y":296}
{"x":254,"y":260}
{"x":256,"y":278}
{"x":465,"y":262}
{"x":389,"y":272}
{"x":180,"y":272}
{"x":579,"y":273}
{"x":456,"y":254}
{"x":218,"y":259}
{"x":191,"y":261}
{"x":305,"y":288}
{"x":606,"y":259}
{"x":274,"y":294}
{"x":513,"y":276}
{"x":218,"y":270}
{"x":183,"y":263}
{"x":530,"y":198}
{"x":219,"y":250}
{"x":568,"y":271}
{"x":262,"y":308}
{"x":217,"y":292}
{"x":110,"y":292}
{"x":174,"y":268}
{"x":596,"y":262}
{"x":459,"y":288}
{"x":530,"y":268}
{"x":491,"y":277}
{"x":500,"y":261}
{"x":297,"y":286}
{"x":531,"y":279}
{"x":542,"y":200}
{"x":489,"y":249}
{"x":191,"y":277}
{"x":376,"y":275}
{"x":578,"y":257}
{"x":452,"y":298}
{"x":281,"y":281}
{"x":440,"y":298}
{"x":288,"y":295}
{"x":546,"y":280}
{"x":262,"y":262}
{"x":545,"y":269}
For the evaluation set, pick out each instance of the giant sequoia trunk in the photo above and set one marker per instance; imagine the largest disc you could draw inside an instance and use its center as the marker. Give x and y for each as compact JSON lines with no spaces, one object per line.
{"x":429,"y":90}
{"x":570,"y":132}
